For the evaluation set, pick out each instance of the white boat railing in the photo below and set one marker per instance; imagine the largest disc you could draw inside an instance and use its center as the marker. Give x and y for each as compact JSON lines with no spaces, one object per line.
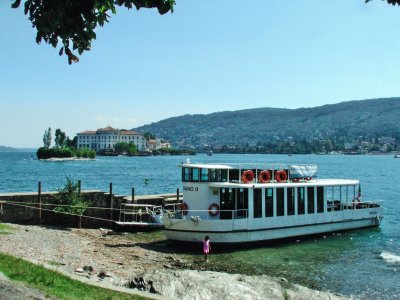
{"x":175,"y":211}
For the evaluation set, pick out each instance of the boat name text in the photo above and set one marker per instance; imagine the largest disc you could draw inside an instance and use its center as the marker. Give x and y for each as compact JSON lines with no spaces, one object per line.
{"x":190,"y":189}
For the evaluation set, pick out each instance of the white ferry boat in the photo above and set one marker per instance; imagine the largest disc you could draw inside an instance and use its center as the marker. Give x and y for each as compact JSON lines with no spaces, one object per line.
{"x":248,"y":203}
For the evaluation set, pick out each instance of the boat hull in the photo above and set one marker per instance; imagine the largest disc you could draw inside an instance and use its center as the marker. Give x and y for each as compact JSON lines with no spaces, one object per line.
{"x":264,"y":234}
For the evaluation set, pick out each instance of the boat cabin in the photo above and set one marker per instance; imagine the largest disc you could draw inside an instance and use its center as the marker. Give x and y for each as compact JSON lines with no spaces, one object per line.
{"x":245,"y":191}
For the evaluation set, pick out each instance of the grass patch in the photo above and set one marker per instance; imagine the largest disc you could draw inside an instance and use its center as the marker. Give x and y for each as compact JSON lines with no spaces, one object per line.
{"x":6,"y":229}
{"x":53,"y":283}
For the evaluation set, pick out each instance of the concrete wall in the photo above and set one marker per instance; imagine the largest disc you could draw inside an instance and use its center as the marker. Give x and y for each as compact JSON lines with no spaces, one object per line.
{"x":24,"y":208}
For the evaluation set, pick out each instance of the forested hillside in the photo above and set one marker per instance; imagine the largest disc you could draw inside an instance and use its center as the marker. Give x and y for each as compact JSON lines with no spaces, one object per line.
{"x":337,"y":122}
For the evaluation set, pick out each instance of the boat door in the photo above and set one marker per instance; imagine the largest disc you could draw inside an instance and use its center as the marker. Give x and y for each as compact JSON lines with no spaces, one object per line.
{"x":241,"y":213}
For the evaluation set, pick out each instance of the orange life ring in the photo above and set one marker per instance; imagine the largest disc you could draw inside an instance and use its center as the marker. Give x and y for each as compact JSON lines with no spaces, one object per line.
{"x":183,"y":207}
{"x":213,"y":210}
{"x":264,"y":176}
{"x":280,"y":176}
{"x":247,"y":176}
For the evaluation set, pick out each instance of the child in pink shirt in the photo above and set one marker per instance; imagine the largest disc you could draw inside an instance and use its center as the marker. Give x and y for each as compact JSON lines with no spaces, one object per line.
{"x":206,"y":247}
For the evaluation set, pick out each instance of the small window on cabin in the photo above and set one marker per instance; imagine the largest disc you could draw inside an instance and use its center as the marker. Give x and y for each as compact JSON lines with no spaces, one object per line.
{"x":269,"y":203}
{"x":290,"y":201}
{"x":300,"y":200}
{"x":310,"y":200}
{"x":185,"y":174}
{"x":213,"y":175}
{"x":234,"y":175}
{"x":204,"y":175}
{"x":257,"y":196}
{"x":224,"y":175}
{"x":195,"y":174}
{"x":280,"y":199}
{"x":320,"y":199}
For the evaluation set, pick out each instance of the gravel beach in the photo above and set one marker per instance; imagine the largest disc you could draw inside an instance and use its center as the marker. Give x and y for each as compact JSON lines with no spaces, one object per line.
{"x":105,"y":259}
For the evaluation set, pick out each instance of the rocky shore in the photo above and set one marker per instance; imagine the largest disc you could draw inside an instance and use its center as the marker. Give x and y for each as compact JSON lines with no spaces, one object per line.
{"x":123,"y":263}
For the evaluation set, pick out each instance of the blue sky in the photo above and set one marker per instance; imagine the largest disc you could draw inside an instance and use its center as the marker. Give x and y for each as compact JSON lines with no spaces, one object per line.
{"x":207,"y":56}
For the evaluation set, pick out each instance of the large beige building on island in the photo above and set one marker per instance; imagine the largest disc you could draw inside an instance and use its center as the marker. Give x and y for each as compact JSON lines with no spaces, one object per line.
{"x":106,"y":138}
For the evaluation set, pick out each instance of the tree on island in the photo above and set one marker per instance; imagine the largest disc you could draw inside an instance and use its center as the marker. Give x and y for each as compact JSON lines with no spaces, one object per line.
{"x":149,"y":136}
{"x":73,"y":22}
{"x":125,"y":148}
{"x":47,"y":138}
{"x":64,"y":147}
{"x":60,"y":138}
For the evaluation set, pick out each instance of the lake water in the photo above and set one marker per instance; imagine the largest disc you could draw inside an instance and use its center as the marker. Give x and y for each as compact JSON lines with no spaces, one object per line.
{"x":364,"y":263}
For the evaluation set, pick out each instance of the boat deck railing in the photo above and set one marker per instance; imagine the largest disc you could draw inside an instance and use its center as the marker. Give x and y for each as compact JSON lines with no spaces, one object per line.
{"x":175,"y":211}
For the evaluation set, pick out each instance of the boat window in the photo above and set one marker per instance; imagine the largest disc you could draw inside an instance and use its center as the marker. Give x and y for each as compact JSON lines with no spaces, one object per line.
{"x":269,"y":203}
{"x":310,"y":200}
{"x":290,"y":201}
{"x":185,"y":174}
{"x":257,"y":196}
{"x":217,"y":175}
{"x":195,"y":174}
{"x":214,"y":175}
{"x":300,"y":200}
{"x":204,"y":175}
{"x":234,"y":175}
{"x":280,"y":199}
{"x":337,"y":198}
{"x":242,"y":204}
{"x":224,"y":175}
{"x":352,"y":192}
{"x":345,"y":196}
{"x":329,"y":198}
{"x":320,"y":199}
{"x":227,"y":203}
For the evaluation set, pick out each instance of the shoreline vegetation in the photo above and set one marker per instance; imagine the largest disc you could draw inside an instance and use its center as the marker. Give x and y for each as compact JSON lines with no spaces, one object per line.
{"x":50,"y":283}
{"x":134,"y":263}
{"x":64,"y":153}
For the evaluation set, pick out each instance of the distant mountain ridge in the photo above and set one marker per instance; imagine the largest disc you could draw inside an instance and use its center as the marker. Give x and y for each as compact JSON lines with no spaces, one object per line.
{"x":11,"y":149}
{"x":7,"y":149}
{"x":351,"y":119}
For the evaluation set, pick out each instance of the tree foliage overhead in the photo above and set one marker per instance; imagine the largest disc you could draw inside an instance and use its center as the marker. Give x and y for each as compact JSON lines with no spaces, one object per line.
{"x":72,"y":22}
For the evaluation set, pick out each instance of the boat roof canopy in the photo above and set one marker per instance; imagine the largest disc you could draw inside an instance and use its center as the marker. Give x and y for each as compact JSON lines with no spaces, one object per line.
{"x":318,"y":182}
{"x":205,"y":166}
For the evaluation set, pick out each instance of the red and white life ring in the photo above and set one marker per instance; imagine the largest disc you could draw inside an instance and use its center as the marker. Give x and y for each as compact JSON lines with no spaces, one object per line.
{"x":247,"y":176}
{"x":213,"y":210}
{"x":295,"y":179}
{"x":280,"y":176}
{"x":183,"y":207}
{"x":264,"y":176}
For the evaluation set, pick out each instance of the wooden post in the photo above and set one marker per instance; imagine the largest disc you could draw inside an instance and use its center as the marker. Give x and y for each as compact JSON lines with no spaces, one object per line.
{"x":111,"y":204}
{"x":79,"y":186}
{"x":40,"y":201}
{"x":133,"y":195}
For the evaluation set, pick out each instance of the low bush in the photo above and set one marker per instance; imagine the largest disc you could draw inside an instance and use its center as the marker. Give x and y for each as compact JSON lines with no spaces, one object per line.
{"x":46,"y":153}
